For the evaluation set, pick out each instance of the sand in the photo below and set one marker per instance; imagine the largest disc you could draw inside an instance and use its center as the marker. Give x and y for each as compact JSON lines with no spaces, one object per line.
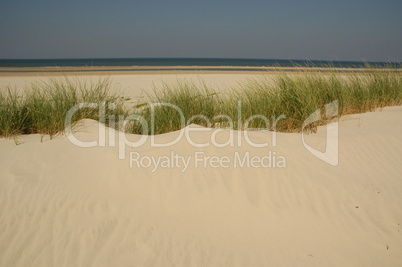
{"x":138,"y":70}
{"x":136,"y":85}
{"x":65,"y":205}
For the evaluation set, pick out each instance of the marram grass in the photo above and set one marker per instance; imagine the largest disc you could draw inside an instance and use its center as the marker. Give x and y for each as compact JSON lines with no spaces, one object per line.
{"x":42,"y":108}
{"x":287,"y":99}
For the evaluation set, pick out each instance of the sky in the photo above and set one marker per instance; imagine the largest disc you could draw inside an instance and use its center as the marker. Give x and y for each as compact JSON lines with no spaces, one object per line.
{"x":307,"y":30}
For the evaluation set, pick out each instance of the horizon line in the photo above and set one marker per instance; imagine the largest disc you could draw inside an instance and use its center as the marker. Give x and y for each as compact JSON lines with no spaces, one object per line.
{"x":196,"y":58}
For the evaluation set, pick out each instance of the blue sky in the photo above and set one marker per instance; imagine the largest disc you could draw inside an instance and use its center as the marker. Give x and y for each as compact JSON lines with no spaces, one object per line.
{"x":314,"y":30}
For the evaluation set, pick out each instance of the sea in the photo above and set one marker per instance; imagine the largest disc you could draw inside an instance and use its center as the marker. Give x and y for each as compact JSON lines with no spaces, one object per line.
{"x":199,"y":63}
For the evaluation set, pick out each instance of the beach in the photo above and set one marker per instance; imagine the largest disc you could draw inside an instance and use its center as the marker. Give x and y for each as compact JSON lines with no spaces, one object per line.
{"x":201,"y":196}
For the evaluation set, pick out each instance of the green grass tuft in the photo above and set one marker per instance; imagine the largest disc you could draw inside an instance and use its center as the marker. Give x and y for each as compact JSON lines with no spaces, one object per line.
{"x":42,"y":108}
{"x":263,"y":101}
{"x":287,"y":99}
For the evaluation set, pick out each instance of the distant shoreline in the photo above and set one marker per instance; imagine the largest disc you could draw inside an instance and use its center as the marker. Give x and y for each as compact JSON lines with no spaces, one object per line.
{"x":200,"y":62}
{"x":127,"y":66}
{"x":126,"y":70}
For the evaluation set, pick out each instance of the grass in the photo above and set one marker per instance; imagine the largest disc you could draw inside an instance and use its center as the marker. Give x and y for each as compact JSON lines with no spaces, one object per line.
{"x":43,"y":107}
{"x":281,"y":104}
{"x":197,"y":104}
{"x":287,"y":100}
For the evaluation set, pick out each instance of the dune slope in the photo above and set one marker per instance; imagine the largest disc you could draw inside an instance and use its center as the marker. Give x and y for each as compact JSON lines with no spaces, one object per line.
{"x":64,"y":205}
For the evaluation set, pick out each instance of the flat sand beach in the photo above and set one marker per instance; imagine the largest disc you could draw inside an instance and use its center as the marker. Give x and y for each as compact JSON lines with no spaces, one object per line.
{"x":220,"y":204}
{"x":138,"y":70}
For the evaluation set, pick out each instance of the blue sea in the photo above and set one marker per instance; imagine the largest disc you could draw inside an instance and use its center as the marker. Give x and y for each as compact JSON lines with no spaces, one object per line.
{"x":177,"y":62}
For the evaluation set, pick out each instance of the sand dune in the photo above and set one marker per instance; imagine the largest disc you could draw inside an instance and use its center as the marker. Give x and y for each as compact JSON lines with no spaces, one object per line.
{"x":64,"y":205}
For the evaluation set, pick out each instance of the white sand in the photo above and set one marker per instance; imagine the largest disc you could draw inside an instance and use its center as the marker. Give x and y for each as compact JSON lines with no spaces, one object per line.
{"x":137,"y":85}
{"x":63,"y":205}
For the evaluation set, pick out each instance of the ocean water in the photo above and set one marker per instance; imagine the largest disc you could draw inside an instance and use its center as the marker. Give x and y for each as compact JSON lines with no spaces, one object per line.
{"x":199,"y":62}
